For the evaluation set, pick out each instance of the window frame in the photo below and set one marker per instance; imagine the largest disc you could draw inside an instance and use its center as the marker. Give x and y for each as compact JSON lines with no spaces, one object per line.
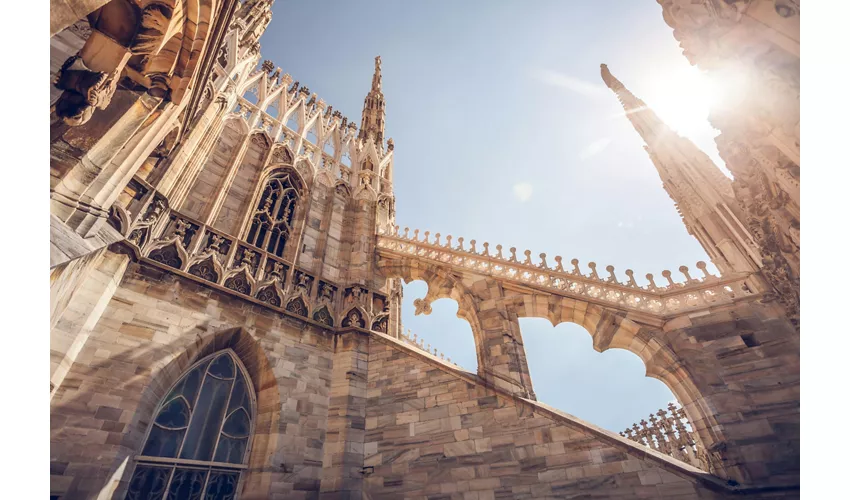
{"x":209,"y":466}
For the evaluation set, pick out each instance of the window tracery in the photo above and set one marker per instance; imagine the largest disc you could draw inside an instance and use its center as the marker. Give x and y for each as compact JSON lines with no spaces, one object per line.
{"x":271,"y":224}
{"x":198,"y":441}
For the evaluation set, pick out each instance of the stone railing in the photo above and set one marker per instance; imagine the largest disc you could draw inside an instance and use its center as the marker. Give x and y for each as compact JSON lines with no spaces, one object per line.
{"x":669,"y":432}
{"x":661,"y":300}
{"x":200,"y":252}
{"x":415,"y":341}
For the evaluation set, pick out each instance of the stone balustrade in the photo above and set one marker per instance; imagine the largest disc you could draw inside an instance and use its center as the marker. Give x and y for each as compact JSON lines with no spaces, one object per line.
{"x":158,"y":234}
{"x":419,"y":343}
{"x":669,"y":432}
{"x":689,"y":295}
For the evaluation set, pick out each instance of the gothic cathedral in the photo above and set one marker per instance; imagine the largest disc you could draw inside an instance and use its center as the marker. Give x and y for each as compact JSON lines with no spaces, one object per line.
{"x":226,"y":283}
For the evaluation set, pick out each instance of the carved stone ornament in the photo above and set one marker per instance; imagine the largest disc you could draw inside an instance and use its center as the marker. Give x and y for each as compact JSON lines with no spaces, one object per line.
{"x":168,"y":256}
{"x":239,"y":283}
{"x":205,"y":270}
{"x":324,"y":317}
{"x":84,"y":90}
{"x":269,"y":295}
{"x":297,"y":306}
{"x":354,"y":318}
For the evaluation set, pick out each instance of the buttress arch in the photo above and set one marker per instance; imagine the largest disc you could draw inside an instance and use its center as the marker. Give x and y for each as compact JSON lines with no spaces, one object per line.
{"x":493,"y":308}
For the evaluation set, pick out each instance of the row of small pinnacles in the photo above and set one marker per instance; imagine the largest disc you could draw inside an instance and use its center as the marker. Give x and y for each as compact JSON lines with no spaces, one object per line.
{"x":419,"y":343}
{"x":559,"y":268}
{"x":312,"y":107}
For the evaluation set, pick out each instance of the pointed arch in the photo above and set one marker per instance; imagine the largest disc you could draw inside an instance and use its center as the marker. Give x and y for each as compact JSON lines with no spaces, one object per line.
{"x":199,"y":437}
{"x":356,"y":317}
{"x":297,"y":306}
{"x":324,"y":316}
{"x":259,"y":377}
{"x":271,"y":224}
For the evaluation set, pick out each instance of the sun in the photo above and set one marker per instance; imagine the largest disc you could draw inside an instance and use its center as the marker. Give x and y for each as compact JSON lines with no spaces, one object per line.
{"x":683,"y":98}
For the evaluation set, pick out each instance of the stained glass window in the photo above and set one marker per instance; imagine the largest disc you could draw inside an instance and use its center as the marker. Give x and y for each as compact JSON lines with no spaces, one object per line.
{"x":198,"y":441}
{"x":272,"y":221}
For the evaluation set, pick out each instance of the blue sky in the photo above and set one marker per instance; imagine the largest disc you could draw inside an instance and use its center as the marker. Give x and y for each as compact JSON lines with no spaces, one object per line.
{"x":504,"y":132}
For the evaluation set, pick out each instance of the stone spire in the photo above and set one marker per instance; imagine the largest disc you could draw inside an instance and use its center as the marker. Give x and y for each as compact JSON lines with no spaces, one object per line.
{"x":702,"y":193}
{"x":372,"y":124}
{"x":255,"y":15}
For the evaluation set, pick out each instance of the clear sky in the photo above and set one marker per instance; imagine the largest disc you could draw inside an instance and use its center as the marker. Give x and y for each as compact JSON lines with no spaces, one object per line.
{"x":504,"y":132}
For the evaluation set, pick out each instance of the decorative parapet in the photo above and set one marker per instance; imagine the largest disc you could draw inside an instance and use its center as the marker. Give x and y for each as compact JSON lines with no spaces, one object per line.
{"x":161,"y":236}
{"x":661,"y":300}
{"x":668,"y":431}
{"x":415,"y":341}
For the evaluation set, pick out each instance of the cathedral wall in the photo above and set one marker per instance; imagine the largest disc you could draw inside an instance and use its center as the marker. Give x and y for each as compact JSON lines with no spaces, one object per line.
{"x":157,"y":325}
{"x":745,"y":363}
{"x":431,"y":433}
{"x":323,"y":231}
{"x":241,"y":190}
{"x":209,"y":181}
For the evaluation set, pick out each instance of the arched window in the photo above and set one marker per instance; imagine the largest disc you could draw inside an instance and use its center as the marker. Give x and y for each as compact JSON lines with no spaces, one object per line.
{"x":271,"y":225}
{"x":197,"y":444}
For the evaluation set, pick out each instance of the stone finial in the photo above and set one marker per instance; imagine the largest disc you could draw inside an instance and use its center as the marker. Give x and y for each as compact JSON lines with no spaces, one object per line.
{"x":612,"y":278}
{"x":631,"y":275}
{"x":460,"y":243}
{"x":427,"y":234}
{"x":592,"y":266}
{"x":668,"y":275}
{"x":576,"y":269}
{"x":472,"y":247}
{"x":499,"y":252}
{"x":560,"y":267}
{"x":651,"y":279}
{"x":513,"y":258}
{"x":527,"y":260}
{"x":486,"y":251}
{"x":543,"y":264}
{"x":702,"y":267}
{"x":684,"y":270}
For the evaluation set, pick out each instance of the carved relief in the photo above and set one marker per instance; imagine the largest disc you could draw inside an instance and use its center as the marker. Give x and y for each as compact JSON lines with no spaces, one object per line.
{"x":269,"y":295}
{"x":324,"y":317}
{"x":354,"y":318}
{"x":205,"y":269}
{"x":167,"y":255}
{"x":297,"y":306}
{"x":239,"y":283}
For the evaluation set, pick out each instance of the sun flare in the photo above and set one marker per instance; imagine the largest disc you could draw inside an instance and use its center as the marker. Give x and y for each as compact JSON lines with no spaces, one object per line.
{"x":683,"y":98}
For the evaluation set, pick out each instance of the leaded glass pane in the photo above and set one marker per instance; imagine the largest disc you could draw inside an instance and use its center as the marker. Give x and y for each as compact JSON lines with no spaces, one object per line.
{"x":188,"y":385}
{"x":175,"y":415}
{"x":206,"y":421}
{"x":230,"y":450}
{"x":240,"y":397}
{"x":187,"y":484}
{"x":222,"y":485}
{"x":222,"y":367}
{"x":163,"y":442}
{"x":148,"y":483}
{"x":237,"y":424}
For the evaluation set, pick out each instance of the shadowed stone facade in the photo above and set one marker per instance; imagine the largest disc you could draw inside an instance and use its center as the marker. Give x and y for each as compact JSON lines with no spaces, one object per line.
{"x":215,"y":209}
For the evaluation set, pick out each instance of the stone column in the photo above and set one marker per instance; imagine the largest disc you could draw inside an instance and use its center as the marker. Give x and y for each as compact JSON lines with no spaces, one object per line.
{"x":342,"y":476}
